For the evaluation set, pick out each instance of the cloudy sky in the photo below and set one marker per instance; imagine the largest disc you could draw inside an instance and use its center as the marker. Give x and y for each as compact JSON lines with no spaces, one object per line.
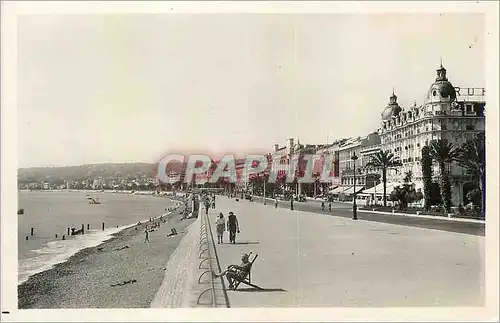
{"x":124,"y":88}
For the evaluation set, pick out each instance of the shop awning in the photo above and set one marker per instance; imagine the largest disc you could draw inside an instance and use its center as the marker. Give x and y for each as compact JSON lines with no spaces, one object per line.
{"x":379,"y":189}
{"x":338,"y":189}
{"x":376,"y":189}
{"x":350,"y":190}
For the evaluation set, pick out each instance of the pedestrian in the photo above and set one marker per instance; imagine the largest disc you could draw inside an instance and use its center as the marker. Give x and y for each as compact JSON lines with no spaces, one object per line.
{"x":329,"y":206}
{"x":322,"y":205}
{"x":276,"y":202}
{"x":232,"y":227}
{"x":146,"y":239}
{"x":213,"y":204}
{"x":221,"y":227}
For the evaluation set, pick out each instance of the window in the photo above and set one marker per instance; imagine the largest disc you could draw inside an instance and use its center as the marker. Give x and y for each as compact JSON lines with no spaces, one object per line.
{"x":469,"y":127}
{"x":434,"y":93}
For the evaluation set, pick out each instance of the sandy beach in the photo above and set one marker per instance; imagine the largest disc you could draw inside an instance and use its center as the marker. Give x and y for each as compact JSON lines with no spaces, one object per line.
{"x":123,"y":272}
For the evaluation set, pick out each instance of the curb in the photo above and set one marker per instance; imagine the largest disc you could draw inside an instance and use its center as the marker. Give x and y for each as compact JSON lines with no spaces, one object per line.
{"x":431,"y":217}
{"x":425,"y":216}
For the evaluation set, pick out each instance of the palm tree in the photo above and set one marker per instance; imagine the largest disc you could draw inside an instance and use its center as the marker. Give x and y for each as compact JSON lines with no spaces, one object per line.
{"x":408,"y":177}
{"x":471,"y":156}
{"x":384,"y":160}
{"x":443,"y":153}
{"x":426,"y":163}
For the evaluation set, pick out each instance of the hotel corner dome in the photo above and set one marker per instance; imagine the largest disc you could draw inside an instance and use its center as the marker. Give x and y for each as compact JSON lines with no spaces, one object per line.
{"x":392,"y":110}
{"x":441,"y":89}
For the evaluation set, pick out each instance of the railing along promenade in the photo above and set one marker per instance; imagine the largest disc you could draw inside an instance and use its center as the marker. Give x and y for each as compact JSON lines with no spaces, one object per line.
{"x":213,"y":292}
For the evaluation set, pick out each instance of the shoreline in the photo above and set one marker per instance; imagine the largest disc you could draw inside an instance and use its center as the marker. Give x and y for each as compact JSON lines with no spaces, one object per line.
{"x":91,"y":277}
{"x":49,"y":251}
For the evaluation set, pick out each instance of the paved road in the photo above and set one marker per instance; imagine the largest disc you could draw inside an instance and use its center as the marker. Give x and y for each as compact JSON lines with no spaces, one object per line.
{"x":309,"y":260}
{"x":345,"y":211}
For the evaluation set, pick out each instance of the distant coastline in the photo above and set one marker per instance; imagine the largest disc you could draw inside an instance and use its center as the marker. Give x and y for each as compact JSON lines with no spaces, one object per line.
{"x":154,"y":193}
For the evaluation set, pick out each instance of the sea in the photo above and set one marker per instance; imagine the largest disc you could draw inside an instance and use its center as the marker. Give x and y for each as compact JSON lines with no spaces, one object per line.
{"x":51,"y":213}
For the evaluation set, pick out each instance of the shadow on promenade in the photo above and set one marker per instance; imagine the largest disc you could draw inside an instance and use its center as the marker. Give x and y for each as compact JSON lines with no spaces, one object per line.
{"x":260,"y":290}
{"x":247,"y":242}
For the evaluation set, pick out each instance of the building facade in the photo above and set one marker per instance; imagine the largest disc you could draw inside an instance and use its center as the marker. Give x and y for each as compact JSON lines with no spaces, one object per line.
{"x":364,"y":148}
{"x":448,"y":113}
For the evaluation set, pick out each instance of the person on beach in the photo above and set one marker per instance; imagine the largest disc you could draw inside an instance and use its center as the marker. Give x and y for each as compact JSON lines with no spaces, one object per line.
{"x":221,"y":227}
{"x":235,"y":272}
{"x":146,"y":239}
{"x":233,"y":227}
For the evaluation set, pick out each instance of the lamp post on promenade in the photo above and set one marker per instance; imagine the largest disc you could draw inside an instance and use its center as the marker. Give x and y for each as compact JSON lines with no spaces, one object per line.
{"x":354,"y":206}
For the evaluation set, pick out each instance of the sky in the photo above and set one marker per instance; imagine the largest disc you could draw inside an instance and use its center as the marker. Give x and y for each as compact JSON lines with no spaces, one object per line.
{"x":129,"y":88}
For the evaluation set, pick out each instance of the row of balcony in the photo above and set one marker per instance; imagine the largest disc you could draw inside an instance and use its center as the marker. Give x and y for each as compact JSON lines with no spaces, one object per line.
{"x":455,"y":113}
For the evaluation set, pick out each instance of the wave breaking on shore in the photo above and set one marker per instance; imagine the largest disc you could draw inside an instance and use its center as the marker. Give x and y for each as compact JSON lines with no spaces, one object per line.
{"x":55,"y":252}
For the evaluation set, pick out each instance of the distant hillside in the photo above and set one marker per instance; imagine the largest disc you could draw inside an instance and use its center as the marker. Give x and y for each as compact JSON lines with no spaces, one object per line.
{"x":106,"y":171}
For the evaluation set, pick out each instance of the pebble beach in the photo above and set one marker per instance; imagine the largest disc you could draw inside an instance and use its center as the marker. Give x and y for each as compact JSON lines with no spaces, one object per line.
{"x":122,"y":272}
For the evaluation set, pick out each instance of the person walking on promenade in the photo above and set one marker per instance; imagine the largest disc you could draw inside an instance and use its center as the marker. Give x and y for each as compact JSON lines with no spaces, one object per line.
{"x":232,"y":227}
{"x":235,"y":272}
{"x":221,"y":227}
{"x":276,"y":202}
{"x":329,"y":206}
{"x":322,"y":205}
{"x":146,"y":239}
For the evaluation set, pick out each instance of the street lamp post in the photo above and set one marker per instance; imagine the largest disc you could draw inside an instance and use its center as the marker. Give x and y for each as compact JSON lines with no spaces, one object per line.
{"x":354,"y":206}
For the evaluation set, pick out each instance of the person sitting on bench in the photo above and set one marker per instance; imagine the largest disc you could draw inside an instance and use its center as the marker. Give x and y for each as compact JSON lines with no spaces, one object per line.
{"x":235,"y":272}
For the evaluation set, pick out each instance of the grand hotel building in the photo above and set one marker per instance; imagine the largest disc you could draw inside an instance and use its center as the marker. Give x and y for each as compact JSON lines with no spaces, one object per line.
{"x":448,"y":113}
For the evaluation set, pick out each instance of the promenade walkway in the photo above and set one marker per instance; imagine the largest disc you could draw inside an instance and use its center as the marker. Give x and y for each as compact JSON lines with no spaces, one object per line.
{"x":308,"y":260}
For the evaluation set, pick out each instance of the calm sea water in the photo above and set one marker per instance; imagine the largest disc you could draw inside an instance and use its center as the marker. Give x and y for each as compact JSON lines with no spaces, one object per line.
{"x":51,"y":213}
